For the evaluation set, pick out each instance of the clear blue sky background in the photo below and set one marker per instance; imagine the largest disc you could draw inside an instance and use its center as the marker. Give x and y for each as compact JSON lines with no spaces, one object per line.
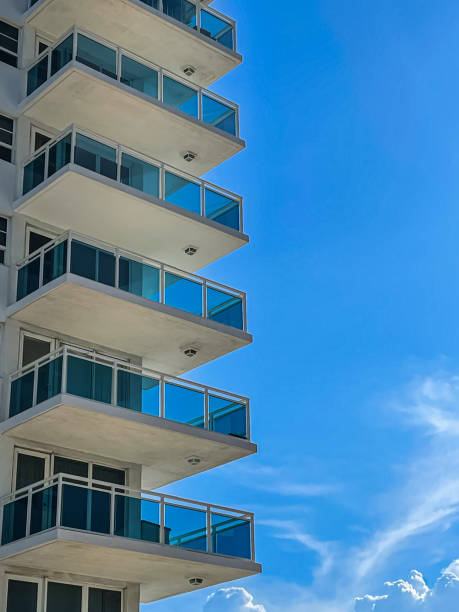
{"x":350,"y":110}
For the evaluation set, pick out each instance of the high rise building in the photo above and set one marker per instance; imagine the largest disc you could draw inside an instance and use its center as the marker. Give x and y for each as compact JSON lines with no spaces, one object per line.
{"x":106,"y":126}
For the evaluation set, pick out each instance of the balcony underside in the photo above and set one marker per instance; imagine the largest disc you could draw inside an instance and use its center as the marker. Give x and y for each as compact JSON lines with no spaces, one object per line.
{"x":162,"y":571}
{"x":90,"y":204}
{"x":161,"y":446}
{"x":101,"y":315}
{"x":83,"y":96}
{"x":149,"y":34}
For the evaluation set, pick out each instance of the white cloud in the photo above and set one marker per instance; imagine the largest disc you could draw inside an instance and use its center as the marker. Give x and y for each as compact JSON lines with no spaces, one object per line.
{"x":414,"y":594}
{"x":233,"y":599}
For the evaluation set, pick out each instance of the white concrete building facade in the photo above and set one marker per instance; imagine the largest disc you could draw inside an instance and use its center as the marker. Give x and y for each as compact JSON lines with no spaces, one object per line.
{"x":107,"y":123}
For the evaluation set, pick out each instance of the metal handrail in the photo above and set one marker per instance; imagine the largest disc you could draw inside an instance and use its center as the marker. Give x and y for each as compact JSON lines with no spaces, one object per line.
{"x":231,"y":22}
{"x":114,"y":490}
{"x":118,"y":365}
{"x":118,"y":253}
{"x":120,"y":52}
{"x":162,"y":167}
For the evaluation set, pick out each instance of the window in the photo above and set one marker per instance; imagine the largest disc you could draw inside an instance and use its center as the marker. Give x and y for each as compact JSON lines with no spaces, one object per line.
{"x":33,"y":347}
{"x":30,"y":467}
{"x":42,"y":44}
{"x":6,"y":138}
{"x":66,"y":597}
{"x":9,"y":37}
{"x":35,"y":239}
{"x":3,"y":236}
{"x":23,"y":595}
{"x":39,"y":138}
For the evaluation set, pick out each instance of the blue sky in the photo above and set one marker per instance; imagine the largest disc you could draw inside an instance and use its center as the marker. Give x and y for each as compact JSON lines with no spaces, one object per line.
{"x":351,"y":185}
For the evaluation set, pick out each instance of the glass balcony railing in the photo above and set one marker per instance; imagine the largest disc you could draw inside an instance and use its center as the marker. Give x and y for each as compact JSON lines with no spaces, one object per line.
{"x":146,"y":175}
{"x":99,"y":378}
{"x":72,"y":253}
{"x":208,"y":21}
{"x":135,"y":73}
{"x":91,"y":506}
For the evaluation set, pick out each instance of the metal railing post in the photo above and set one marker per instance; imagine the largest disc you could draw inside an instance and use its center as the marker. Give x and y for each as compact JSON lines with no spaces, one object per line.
{"x":162,"y":520}
{"x":114,"y":384}
{"x":64,"y":369}
{"x":209,"y":529}
{"x":162,"y":398}
{"x":204,"y":299}
{"x":29,"y":511}
{"x":35,"y":384}
{"x":112,"y":511}
{"x":206,"y":409}
{"x":59,"y":501}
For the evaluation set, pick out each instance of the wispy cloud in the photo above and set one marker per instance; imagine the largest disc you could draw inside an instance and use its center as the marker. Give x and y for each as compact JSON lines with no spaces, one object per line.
{"x":232,"y":599}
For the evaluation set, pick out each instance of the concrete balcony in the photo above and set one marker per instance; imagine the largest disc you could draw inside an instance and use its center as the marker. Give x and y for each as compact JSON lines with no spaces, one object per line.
{"x":172,"y":427}
{"x":175,"y":33}
{"x":86,"y":80}
{"x":167,"y":544}
{"x":89,"y":290}
{"x":94,"y":186}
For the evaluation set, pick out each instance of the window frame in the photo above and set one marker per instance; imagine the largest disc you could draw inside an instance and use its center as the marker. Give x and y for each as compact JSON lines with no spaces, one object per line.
{"x":12,"y":146}
{"x":8,"y":51}
{"x":24,"y":332}
{"x":18,"y":450}
{"x":40,"y":38}
{"x":20,"y":578}
{"x":5,"y":249}
{"x":33,"y":131}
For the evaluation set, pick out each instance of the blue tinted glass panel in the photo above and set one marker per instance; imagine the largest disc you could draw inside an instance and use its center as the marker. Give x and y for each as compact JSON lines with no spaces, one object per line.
{"x":139,"y":393}
{"x":184,"y":405}
{"x":183,"y":193}
{"x":34,"y":174}
{"x":139,"y":279}
{"x":96,"y":56}
{"x":93,"y":263}
{"x":140,"y":175}
{"x":227,"y":417}
{"x":96,"y":156}
{"x":216,"y":28}
{"x":85,"y":509}
{"x":183,"y":294}
{"x":222,"y":209}
{"x":59,"y":154}
{"x":224,"y":308}
{"x":139,"y":76}
{"x":137,"y":519}
{"x":37,"y":75}
{"x":62,"y":54}
{"x":21,"y":397}
{"x":14,"y":521}
{"x":28,"y":279}
{"x":231,"y":536}
{"x":54,"y":262}
{"x":89,"y":379}
{"x":187,"y":527}
{"x":180,"y":96}
{"x":182,"y":10}
{"x":152,"y":3}
{"x":49,"y":380}
{"x":43,"y":510}
{"x":218,"y":114}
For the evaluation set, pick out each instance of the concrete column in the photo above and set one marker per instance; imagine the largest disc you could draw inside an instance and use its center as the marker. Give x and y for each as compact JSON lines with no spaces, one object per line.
{"x":132,"y":598}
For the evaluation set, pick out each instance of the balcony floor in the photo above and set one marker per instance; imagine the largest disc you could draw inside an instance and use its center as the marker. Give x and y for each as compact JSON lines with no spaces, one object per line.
{"x":80,"y":95}
{"x":101,"y":315}
{"x":133,"y":26}
{"x":162,"y":571}
{"x":93,"y":205}
{"x":161,"y":446}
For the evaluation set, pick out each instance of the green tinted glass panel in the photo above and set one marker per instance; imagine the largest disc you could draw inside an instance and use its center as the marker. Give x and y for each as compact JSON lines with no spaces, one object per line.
{"x":182,"y":10}
{"x":139,"y":393}
{"x":139,"y":279}
{"x":14,"y":521}
{"x":139,"y":76}
{"x":43,"y":509}
{"x":96,"y":56}
{"x":54,"y":262}
{"x":89,"y":379}
{"x":62,"y":54}
{"x":21,"y":395}
{"x":96,"y":156}
{"x":218,"y":114}
{"x":28,"y":279}
{"x":34,"y":174}
{"x":93,"y":263}
{"x":140,"y":175}
{"x":85,"y":509}
{"x":59,"y":154}
{"x":137,"y":519}
{"x":37,"y":75}
{"x":180,"y":96}
{"x":49,"y":381}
